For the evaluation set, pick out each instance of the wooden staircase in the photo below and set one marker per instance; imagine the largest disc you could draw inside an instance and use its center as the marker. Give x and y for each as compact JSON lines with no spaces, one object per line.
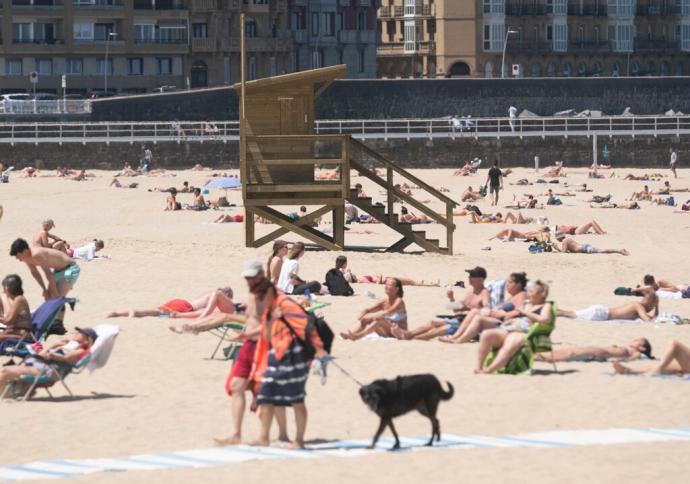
{"x":385,"y":213}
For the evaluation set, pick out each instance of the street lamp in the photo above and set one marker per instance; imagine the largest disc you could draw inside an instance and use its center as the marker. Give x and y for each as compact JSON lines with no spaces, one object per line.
{"x":505,"y":44}
{"x":105,"y":68}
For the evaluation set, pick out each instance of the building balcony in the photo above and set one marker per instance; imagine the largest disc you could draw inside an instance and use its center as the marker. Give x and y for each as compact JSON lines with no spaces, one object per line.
{"x":249,"y":7}
{"x":393,"y":11}
{"x":591,"y":10}
{"x":42,"y":7}
{"x":81,"y":46}
{"x":659,"y":46}
{"x":398,"y":49}
{"x":80,"y":5}
{"x":160,"y":40}
{"x":657,"y":10}
{"x":204,"y":5}
{"x":517,"y":9}
{"x":528,"y":47}
{"x":258,"y":44}
{"x":357,"y":36}
{"x":601,"y":47}
{"x":160,"y":5}
{"x":36,"y":46}
{"x":207,"y":44}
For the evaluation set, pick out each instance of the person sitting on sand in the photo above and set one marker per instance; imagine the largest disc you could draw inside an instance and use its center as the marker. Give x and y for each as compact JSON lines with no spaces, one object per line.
{"x":465,"y":170}
{"x":378,"y":278}
{"x":556,"y":171}
{"x":633,"y":351}
{"x":477,"y":297}
{"x":569,"y":245}
{"x":527,"y":201}
{"x":116,"y":183}
{"x":478,"y":320}
{"x":469,"y":209}
{"x":470,"y":195}
{"x":579,"y":229}
{"x":644,"y":194}
{"x":676,"y":361}
{"x":623,"y":205}
{"x":359,"y":191}
{"x":289,"y":281}
{"x":17,"y":320}
{"x":411,"y":218}
{"x":630,"y":311}
{"x":80,"y":176}
{"x":510,"y":337}
{"x":171,"y":202}
{"x":275,"y":260}
{"x":44,"y":238}
{"x":88,"y":251}
{"x":30,"y":172}
{"x":126,"y":170}
{"x":487,"y":218}
{"x":58,"y":357}
{"x":200,"y":307}
{"x":539,"y":235}
{"x":199,"y":203}
{"x":382,"y":316}
{"x":61,"y":272}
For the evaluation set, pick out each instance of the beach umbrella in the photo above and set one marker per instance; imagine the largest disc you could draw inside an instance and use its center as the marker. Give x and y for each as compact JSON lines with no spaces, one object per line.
{"x":223,"y":183}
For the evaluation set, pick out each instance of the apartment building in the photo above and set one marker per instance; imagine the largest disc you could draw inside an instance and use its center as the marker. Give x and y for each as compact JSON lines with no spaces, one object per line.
{"x":132,"y":46}
{"x":586,"y":37}
{"x":331,"y":32}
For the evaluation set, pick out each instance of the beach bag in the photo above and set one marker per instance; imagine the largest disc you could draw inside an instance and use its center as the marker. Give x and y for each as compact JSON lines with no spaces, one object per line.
{"x":670,"y":201}
{"x":318,"y":324}
{"x":336,"y":283}
{"x":482,"y":191}
{"x":622,"y":291}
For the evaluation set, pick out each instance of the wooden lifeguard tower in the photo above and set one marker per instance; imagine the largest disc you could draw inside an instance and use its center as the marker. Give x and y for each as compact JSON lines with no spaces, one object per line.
{"x":280,"y":152}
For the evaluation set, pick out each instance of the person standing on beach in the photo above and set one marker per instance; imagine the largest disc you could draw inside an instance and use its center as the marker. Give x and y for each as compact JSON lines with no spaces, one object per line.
{"x":495,"y":182}
{"x":674,"y":160}
{"x":146,"y":160}
{"x":237,"y":383}
{"x":512,"y":114}
{"x":61,"y":272}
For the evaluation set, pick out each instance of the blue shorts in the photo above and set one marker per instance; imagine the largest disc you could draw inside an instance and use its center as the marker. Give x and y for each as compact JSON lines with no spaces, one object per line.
{"x":453,"y":326}
{"x":589,"y":249}
{"x":68,"y":274}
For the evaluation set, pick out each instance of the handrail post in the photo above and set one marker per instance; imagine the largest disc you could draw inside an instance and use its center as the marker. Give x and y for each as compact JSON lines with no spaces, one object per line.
{"x":450,"y":227}
{"x":389,"y":193}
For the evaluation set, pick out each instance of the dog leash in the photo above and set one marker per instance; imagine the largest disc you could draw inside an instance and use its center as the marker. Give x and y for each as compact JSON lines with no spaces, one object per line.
{"x":331,"y":361}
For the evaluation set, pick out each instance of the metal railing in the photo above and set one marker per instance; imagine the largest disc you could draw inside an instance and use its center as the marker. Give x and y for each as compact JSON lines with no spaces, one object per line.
{"x":61,"y":106}
{"x":153,"y":132}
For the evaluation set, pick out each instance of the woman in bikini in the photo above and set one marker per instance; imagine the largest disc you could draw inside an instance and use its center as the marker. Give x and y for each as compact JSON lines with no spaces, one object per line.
{"x":632,"y":351}
{"x":380,"y":278}
{"x":275,"y":261}
{"x":676,"y":361}
{"x":478,"y":320}
{"x":541,"y":234}
{"x":510,"y":337}
{"x":17,"y":320}
{"x":580,"y":229}
{"x":382,"y":316}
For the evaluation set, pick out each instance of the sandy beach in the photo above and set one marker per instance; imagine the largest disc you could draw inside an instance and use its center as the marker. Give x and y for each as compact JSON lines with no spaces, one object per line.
{"x":160,"y":392}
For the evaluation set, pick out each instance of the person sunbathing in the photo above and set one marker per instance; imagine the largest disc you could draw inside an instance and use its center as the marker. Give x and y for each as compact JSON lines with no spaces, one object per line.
{"x":624,"y":205}
{"x":86,"y":252}
{"x":582,"y":188}
{"x":556,"y":171}
{"x":465,"y":170}
{"x":383,"y":316}
{"x":676,"y":361}
{"x":30,"y":172}
{"x":116,"y":183}
{"x":80,"y":176}
{"x":527,"y":201}
{"x":477,"y":297}
{"x":569,"y":245}
{"x":645,"y":177}
{"x":226,"y":218}
{"x":470,"y":195}
{"x":411,"y":218}
{"x":487,"y":218}
{"x":199,"y":203}
{"x":644,"y":194}
{"x":171,"y":202}
{"x":17,"y":320}
{"x":519,"y":219}
{"x":579,"y":229}
{"x":212,"y":321}
{"x":58,"y":357}
{"x":478,"y":320}
{"x":44,"y":238}
{"x":381,"y":279}
{"x":632,"y":351}
{"x":630,"y":311}
{"x":539,"y":235}
{"x":669,"y":201}
{"x":510,"y":337}
{"x":550,"y":194}
{"x":126,"y":171}
{"x":220,"y":299}
{"x":328,"y":175}
{"x":599,"y":199}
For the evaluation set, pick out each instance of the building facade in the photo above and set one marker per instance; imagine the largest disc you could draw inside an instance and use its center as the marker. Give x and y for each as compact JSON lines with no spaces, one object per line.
{"x":132,"y":46}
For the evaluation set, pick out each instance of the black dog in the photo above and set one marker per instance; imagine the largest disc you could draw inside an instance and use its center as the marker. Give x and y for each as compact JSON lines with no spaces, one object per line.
{"x":393,"y":398}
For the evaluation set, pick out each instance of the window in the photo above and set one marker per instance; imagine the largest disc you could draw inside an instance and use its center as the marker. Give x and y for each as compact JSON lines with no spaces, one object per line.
{"x":314,"y":24}
{"x":317,"y":59}
{"x":621,"y":37}
{"x":44,"y":67}
{"x":226,"y":70}
{"x":164,"y":66}
{"x":549,"y":33}
{"x":596,"y":35}
{"x":560,"y":7}
{"x":135,"y":66}
{"x":581,"y":34}
{"x":621,"y":8}
{"x":494,"y":34}
{"x":83,"y":31}
{"x":274,"y":66}
{"x":560,"y":37}
{"x":144,"y":32}
{"x":22,"y":32}
{"x":685,"y":8}
{"x":74,"y":67}
{"x":685,"y":37}
{"x":496,"y":7}
{"x":13,"y":67}
{"x":103,"y":31}
{"x":361,"y":20}
{"x":411,"y":35}
{"x":100,"y":67}
{"x":328,"y":24}
{"x":250,"y":30}
{"x":251,"y":68}
{"x":200,"y":30}
{"x":361,"y":65}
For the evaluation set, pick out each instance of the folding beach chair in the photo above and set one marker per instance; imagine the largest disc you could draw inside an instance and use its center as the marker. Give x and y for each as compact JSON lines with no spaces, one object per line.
{"x":230,"y":352}
{"x":44,"y":322}
{"x":538,"y":340}
{"x":5,"y":175}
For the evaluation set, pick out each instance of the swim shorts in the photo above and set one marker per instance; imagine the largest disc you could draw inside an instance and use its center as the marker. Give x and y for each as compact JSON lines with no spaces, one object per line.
{"x":68,"y":274}
{"x":598,"y":312}
{"x":494,"y":188}
{"x":177,"y":306}
{"x":589,"y":249}
{"x":243,"y":364}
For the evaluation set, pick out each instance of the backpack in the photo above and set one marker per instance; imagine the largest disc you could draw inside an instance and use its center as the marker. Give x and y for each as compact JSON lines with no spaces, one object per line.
{"x":318,"y":324}
{"x":337,"y":285}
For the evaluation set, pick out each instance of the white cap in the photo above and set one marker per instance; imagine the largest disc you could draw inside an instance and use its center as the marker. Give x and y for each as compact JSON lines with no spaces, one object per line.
{"x":252,"y":268}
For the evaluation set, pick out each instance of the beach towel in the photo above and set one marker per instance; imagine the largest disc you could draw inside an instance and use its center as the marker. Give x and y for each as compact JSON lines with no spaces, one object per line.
{"x":103,"y":346}
{"x":497,"y":289}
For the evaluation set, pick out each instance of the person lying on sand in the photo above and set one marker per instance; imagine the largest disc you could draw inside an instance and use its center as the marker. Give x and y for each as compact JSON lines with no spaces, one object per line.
{"x":519,"y":219}
{"x":645,"y":177}
{"x":116,"y":183}
{"x":571,"y":246}
{"x":220,"y":299}
{"x":487,"y":218}
{"x":476,"y":297}
{"x":88,"y":251}
{"x":599,"y":199}
{"x":80,"y":176}
{"x":624,"y":205}
{"x":380,"y":278}
{"x":44,"y":238}
{"x":631,"y":351}
{"x":383,"y":316}
{"x":669,"y":201}
{"x":541,"y":234}
{"x":186,"y":188}
{"x":478,"y":320}
{"x":226,"y":218}
{"x":527,"y":201}
{"x":630,"y":311}
{"x":411,"y":218}
{"x":550,"y":194}
{"x":676,"y":361}
{"x":30,"y":172}
{"x":651,"y":285}
{"x":579,"y":229}
{"x":582,"y":188}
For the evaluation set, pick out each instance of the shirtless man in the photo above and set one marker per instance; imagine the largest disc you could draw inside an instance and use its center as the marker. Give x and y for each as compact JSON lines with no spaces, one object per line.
{"x":44,"y":238}
{"x":630,"y":311}
{"x":238,"y":380}
{"x":476,"y":297}
{"x":644,"y":194}
{"x":61,"y":272}
{"x":570,"y":245}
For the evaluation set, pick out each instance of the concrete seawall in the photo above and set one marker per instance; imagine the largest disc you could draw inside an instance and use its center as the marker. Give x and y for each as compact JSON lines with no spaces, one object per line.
{"x":417,"y":153}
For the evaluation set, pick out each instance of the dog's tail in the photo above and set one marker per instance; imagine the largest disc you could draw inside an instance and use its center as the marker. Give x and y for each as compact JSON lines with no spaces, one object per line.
{"x":449,"y":394}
